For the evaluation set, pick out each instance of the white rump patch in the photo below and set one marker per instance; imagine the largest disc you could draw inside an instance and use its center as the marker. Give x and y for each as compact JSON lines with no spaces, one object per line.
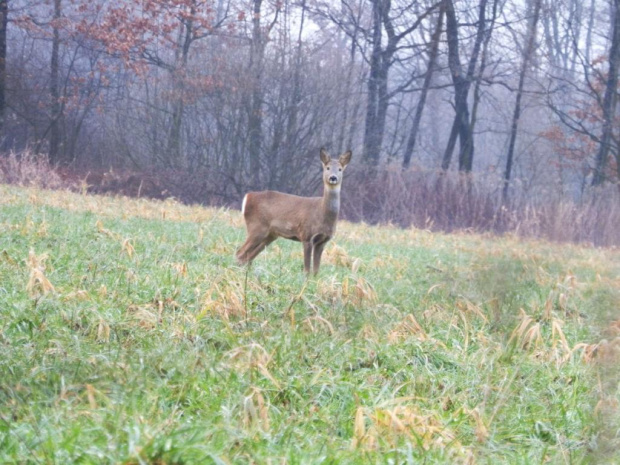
{"x":245,"y":198}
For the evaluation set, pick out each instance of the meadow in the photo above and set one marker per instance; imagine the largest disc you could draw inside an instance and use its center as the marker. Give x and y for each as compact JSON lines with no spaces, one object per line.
{"x":129,"y":335}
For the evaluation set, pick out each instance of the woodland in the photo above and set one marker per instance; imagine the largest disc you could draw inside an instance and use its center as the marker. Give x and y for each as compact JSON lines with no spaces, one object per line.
{"x":461,"y":114}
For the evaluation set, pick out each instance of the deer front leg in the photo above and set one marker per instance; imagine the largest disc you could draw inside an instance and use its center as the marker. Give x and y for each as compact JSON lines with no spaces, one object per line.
{"x":316,"y":259}
{"x":307,"y":255}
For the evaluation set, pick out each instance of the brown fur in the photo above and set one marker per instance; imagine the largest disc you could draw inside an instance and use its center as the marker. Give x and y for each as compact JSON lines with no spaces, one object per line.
{"x":310,"y":220}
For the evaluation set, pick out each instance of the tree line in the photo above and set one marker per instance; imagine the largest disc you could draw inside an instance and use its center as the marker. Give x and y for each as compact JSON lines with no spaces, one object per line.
{"x":243,"y":93}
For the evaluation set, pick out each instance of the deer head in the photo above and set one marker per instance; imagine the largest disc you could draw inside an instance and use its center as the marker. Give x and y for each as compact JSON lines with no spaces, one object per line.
{"x":333,"y":169}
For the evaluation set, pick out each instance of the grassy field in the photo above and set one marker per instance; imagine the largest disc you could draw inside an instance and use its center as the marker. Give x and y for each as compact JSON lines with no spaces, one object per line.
{"x":129,"y":335}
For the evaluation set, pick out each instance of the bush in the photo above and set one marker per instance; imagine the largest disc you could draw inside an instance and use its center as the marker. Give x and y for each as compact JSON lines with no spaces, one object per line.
{"x":450,"y":201}
{"x":29,"y":169}
{"x":437,"y":201}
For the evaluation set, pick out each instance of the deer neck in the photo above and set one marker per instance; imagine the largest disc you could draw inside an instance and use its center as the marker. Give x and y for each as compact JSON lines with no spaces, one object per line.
{"x":331,"y":203}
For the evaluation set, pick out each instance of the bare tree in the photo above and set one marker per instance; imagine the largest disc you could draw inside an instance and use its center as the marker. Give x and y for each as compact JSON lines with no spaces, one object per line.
{"x":229,"y":101}
{"x":381,"y":60}
{"x":609,"y":101}
{"x":255,"y":119}
{"x":56,"y":105}
{"x":4,"y":20}
{"x":528,"y":52}
{"x":483,"y":65}
{"x":432,"y":59}
{"x":462,"y":82}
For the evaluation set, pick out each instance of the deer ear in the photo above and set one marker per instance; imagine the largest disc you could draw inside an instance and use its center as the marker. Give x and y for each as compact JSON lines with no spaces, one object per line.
{"x":325,"y":158}
{"x":345,"y":158}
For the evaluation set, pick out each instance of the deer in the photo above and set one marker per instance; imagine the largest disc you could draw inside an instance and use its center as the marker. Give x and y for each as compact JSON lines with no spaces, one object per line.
{"x":310,"y":220}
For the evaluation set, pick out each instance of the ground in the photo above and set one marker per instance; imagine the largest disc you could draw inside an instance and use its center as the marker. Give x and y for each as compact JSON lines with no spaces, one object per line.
{"x":129,"y":335}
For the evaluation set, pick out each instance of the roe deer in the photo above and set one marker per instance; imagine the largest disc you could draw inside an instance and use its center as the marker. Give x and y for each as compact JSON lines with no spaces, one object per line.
{"x":310,"y":220}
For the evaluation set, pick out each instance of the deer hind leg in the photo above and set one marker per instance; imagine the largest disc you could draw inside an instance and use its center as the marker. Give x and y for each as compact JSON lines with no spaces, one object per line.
{"x":256,"y":235}
{"x":241,"y":254}
{"x":252,"y":247}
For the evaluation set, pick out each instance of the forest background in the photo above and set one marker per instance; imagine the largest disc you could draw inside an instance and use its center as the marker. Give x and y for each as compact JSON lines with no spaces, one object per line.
{"x":485,"y":115}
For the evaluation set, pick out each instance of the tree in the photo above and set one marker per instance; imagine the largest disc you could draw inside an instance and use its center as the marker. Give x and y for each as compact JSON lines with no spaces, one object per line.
{"x":145,"y":35}
{"x":381,"y":60}
{"x":56,"y":105}
{"x":255,"y":118}
{"x":585,"y":102}
{"x":609,"y":101}
{"x":528,"y":52}
{"x":4,"y":20}
{"x":462,"y":125}
{"x":432,"y":59}
{"x":483,"y":65}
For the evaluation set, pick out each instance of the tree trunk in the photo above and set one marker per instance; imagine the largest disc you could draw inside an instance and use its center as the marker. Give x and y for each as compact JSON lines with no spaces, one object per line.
{"x":370,"y":153}
{"x":255,"y":120}
{"x":347,"y":126}
{"x":528,"y":51}
{"x":432,"y":58}
{"x":462,"y":84}
{"x":56,"y":107}
{"x":355,"y":117}
{"x":590,"y":30}
{"x":293,"y":114}
{"x":609,"y":100}
{"x":447,"y":155}
{"x":4,"y":18}
{"x":174,"y":136}
{"x":380,"y":63}
{"x":483,"y":65}
{"x":383,"y":101}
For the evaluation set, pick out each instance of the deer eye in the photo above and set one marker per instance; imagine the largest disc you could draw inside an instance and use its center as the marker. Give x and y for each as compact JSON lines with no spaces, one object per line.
{"x":328,"y":168}
{"x":339,"y":169}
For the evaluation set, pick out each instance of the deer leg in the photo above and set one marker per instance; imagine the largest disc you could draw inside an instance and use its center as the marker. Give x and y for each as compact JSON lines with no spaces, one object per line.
{"x":317,"y":252}
{"x":251,"y":254}
{"x":307,"y":256}
{"x":252,"y":247}
{"x":242,"y":252}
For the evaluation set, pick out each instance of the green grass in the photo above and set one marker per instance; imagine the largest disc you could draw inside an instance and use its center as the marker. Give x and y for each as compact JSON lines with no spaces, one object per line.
{"x":129,"y":335}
